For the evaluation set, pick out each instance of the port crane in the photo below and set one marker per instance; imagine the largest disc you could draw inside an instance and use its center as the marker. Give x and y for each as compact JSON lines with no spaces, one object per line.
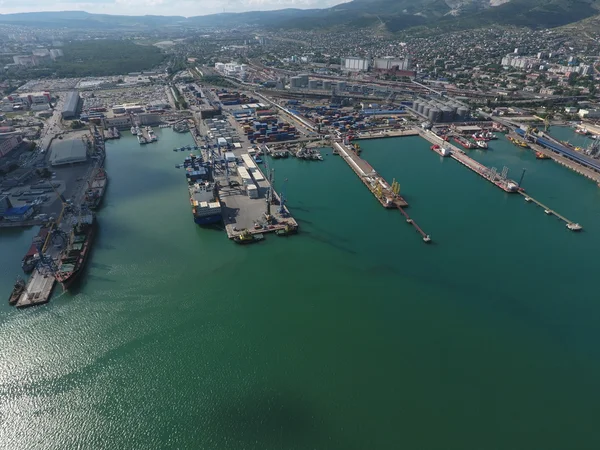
{"x":283,"y":198}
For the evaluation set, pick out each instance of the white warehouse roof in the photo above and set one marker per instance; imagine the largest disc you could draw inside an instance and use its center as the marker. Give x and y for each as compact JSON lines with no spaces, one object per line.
{"x":67,"y":152}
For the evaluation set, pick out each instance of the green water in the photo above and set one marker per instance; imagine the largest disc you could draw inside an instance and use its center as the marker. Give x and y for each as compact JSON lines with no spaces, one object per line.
{"x":352,"y":335}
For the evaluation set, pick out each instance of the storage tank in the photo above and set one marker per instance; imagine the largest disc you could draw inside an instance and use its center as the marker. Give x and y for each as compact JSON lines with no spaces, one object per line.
{"x":462,"y":113}
{"x":295,"y":82}
{"x":426,"y":109}
{"x":416,"y":104}
{"x":313,"y":84}
{"x":421,"y":107}
{"x":341,"y":85}
{"x":304,"y":78}
{"x":447,"y":114}
{"x":327,"y":85}
{"x":434,"y":114}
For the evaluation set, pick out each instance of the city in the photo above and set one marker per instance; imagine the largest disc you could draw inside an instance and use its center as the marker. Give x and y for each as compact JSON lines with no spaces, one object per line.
{"x":136,"y":152}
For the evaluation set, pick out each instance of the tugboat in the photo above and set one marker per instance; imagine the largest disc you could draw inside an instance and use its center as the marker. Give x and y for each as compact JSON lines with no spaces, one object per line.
{"x":481,"y":144}
{"x":248,"y":238}
{"x":287,"y":231}
{"x":18,"y":289}
{"x":540,"y":155}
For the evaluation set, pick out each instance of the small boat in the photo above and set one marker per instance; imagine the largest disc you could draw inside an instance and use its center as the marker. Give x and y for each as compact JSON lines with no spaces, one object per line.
{"x":178,"y":166}
{"x":18,"y":289}
{"x":547,"y":211}
{"x":481,"y":144}
{"x":258,"y":160}
{"x":527,"y":199}
{"x":427,"y":239}
{"x":175,"y":149}
{"x":574,"y":226}
{"x":287,"y":231}
{"x":540,"y":155}
{"x":248,"y":238}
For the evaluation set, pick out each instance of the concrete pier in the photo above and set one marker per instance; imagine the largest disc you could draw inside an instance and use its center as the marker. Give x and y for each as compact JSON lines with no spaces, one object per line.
{"x":460,"y":156}
{"x":387,"y":134}
{"x":38,"y":290}
{"x":370,"y":178}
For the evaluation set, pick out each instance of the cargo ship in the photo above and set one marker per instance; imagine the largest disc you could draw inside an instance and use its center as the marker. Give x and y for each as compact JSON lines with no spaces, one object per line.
{"x":74,"y":257}
{"x":464,"y":142}
{"x":18,"y":289}
{"x":96,"y":189}
{"x":206,"y":207}
{"x":32,"y":256}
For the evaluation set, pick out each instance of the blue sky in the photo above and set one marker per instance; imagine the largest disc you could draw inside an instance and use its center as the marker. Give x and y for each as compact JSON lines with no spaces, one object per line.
{"x":159,"y":7}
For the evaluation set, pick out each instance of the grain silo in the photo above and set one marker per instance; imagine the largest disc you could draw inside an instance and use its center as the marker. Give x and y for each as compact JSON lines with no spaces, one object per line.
{"x":295,"y":82}
{"x":421,"y":107}
{"x":304,"y":78}
{"x":462,"y":113}
{"x":415,"y":105}
{"x":327,"y":85}
{"x":447,"y":114}
{"x":341,"y":85}
{"x":426,"y":109}
{"x":313,"y":85}
{"x":434,"y":114}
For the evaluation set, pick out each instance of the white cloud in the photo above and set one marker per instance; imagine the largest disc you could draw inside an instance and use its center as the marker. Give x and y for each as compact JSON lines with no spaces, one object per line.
{"x":159,"y":7}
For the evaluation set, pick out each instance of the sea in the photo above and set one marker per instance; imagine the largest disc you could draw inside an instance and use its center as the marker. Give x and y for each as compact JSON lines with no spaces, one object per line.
{"x":353,"y":334}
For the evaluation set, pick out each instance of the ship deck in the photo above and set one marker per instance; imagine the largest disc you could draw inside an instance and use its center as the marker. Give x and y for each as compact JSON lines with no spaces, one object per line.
{"x":38,"y":290}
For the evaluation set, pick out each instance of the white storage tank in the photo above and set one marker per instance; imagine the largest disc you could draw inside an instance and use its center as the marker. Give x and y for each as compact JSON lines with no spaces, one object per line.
{"x":313,"y":84}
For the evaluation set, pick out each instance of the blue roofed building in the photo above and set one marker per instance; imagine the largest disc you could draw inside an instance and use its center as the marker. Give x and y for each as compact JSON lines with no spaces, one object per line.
{"x":18,"y":214}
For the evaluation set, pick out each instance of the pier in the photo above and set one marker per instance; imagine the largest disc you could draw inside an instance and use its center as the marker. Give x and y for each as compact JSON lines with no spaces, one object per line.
{"x":460,"y":156}
{"x":573,"y":226}
{"x":380,"y":188}
{"x":38,"y":290}
{"x":387,"y":134}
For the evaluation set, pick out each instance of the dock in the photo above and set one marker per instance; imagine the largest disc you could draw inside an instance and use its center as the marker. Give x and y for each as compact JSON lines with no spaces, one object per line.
{"x":240,"y":212}
{"x":460,"y":156}
{"x":378,"y":186}
{"x":573,"y":226}
{"x":38,"y":290}
{"x":388,"y":134}
{"x":504,"y":184}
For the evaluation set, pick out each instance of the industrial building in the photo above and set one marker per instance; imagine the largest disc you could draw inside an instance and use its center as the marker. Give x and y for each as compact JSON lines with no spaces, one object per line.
{"x":68,"y":152}
{"x":355,"y":64}
{"x":9,"y":142}
{"x":391,"y":63}
{"x":441,"y":110}
{"x":71,"y":106}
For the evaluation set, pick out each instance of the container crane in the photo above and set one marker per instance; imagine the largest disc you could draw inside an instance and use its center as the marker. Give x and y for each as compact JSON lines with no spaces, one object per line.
{"x":283,"y":198}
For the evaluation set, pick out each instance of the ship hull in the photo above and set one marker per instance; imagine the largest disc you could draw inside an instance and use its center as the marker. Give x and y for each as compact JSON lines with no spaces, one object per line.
{"x":70,"y":278}
{"x":208,"y":220}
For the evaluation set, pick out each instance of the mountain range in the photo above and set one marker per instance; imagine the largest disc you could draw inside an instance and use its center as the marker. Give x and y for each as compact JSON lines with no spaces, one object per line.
{"x":392,"y":15}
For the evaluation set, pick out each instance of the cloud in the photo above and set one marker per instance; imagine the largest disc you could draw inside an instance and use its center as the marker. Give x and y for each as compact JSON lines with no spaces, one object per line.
{"x":159,"y":7}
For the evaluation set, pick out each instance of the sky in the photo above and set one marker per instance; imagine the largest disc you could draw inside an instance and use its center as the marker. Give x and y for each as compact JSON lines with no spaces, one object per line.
{"x":159,"y":7}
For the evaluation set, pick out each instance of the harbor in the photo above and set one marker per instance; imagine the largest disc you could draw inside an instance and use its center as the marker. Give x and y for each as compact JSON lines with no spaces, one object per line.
{"x":192,"y":296}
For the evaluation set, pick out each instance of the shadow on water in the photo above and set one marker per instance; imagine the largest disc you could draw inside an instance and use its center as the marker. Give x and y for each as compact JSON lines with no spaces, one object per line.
{"x":329,"y":242}
{"x":264,"y":419}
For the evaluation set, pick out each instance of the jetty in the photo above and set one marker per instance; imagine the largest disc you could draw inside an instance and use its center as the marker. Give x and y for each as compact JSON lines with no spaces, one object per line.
{"x":387,"y":195}
{"x":498,"y":180}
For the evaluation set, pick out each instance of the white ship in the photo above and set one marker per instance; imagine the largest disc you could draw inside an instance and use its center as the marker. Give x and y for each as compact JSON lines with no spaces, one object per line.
{"x":133,"y":131}
{"x":481,"y":143}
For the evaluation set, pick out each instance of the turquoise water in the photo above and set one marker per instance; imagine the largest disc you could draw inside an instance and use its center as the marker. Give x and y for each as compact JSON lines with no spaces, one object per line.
{"x":352,"y":335}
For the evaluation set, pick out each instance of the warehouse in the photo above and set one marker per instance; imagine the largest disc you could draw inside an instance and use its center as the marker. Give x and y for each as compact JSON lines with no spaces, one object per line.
{"x":68,"y":152}
{"x":71,"y":106}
